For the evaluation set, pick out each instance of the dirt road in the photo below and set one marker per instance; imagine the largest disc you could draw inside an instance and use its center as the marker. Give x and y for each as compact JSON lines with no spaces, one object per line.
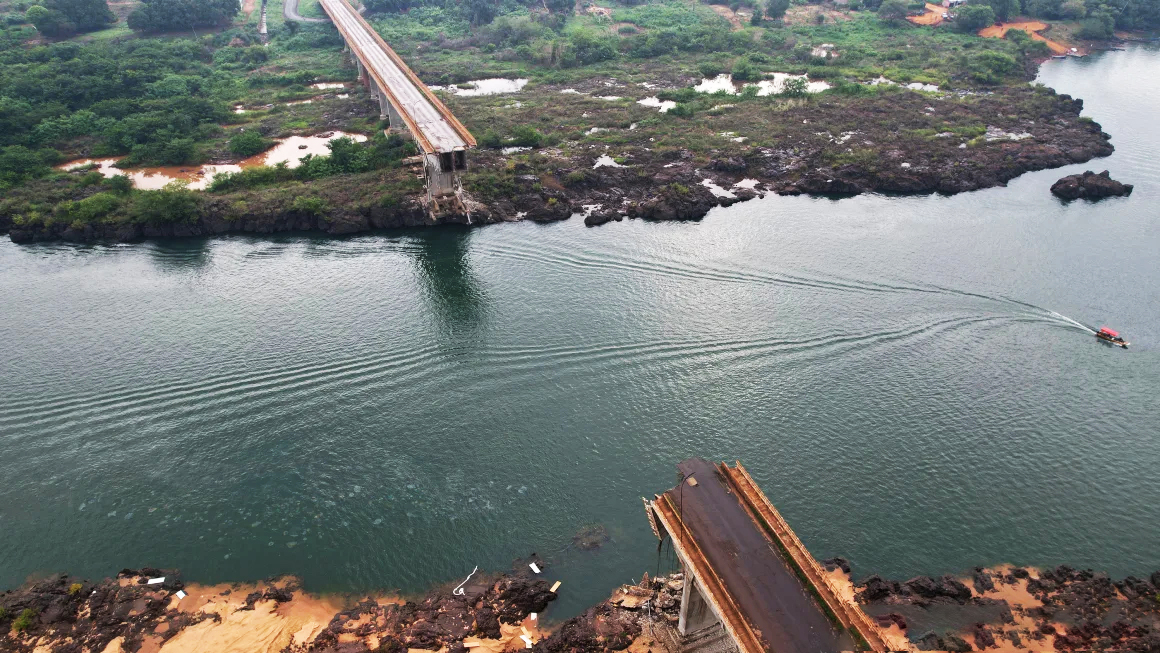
{"x":1032,"y":27}
{"x":290,"y":12}
{"x":932,"y":16}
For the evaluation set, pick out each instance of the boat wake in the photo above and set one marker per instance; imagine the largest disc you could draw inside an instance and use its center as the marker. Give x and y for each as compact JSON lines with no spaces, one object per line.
{"x":1074,"y":322}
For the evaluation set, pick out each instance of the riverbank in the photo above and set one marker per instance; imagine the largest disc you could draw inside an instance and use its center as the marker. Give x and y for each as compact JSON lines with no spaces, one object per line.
{"x":888,"y":140}
{"x":1004,"y":608}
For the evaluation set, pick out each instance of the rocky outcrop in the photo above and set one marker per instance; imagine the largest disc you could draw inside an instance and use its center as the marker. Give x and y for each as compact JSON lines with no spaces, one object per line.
{"x":1025,"y":130}
{"x":1090,"y":186}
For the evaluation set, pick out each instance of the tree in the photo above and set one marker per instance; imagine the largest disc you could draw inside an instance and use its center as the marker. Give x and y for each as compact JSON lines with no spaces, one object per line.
{"x":479,"y":12}
{"x":776,"y":8}
{"x":795,"y":87}
{"x":893,"y":10}
{"x":180,"y":15}
{"x":1073,"y":9}
{"x":1002,"y":8}
{"x":563,"y":7}
{"x":758,"y":14}
{"x":49,"y":22}
{"x":973,"y":18}
{"x":1099,"y":25}
{"x":85,"y":15}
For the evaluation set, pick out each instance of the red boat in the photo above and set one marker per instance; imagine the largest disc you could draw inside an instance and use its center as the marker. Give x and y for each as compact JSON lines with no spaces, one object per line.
{"x":1113,"y":337}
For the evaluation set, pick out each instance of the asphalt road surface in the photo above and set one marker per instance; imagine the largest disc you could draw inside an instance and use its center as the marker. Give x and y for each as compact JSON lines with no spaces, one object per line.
{"x":769,"y":595}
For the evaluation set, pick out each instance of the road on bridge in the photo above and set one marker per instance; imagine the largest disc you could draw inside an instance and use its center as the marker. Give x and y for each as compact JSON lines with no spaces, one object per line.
{"x":434,"y":128}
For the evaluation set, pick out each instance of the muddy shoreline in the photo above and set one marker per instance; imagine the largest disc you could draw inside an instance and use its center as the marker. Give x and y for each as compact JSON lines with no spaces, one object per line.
{"x":999,"y":609}
{"x":838,"y":147}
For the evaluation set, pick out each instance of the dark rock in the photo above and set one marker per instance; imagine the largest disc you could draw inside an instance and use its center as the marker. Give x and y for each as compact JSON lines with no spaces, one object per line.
{"x":837,"y":563}
{"x":729,"y":164}
{"x":983,"y":581}
{"x":876,"y":588}
{"x":891,"y":618}
{"x":819,"y":185}
{"x":931,"y":642}
{"x":956,"y":644}
{"x":982,"y":634}
{"x":1020,"y":572}
{"x":590,"y":537}
{"x":1089,"y":185}
{"x":946,"y":587}
{"x":598,"y":629}
{"x":599,"y":217}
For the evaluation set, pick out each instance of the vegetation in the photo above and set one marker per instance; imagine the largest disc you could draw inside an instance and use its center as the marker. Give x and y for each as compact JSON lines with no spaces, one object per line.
{"x":180,"y":15}
{"x":168,"y":100}
{"x":61,"y":17}
{"x":248,"y":142}
{"x":24,"y":621}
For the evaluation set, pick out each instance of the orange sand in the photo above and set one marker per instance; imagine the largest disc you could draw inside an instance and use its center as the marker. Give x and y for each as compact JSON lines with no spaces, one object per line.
{"x":268,"y":628}
{"x":1020,"y":601}
{"x":1032,"y":27}
{"x":933,"y":15}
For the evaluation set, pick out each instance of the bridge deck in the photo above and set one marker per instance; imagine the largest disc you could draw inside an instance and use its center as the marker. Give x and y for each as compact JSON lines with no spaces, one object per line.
{"x":434,"y":128}
{"x":768,"y":591}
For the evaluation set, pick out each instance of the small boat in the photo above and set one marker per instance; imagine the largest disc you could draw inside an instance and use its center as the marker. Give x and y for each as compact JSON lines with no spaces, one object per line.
{"x":1113,"y":337}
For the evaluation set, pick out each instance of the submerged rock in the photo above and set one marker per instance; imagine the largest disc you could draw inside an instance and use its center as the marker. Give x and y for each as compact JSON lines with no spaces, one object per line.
{"x":1090,"y":185}
{"x":590,"y":537}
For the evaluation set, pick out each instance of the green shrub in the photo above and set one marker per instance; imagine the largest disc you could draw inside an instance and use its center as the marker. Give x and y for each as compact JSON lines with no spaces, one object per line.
{"x":173,"y":203}
{"x":91,"y":178}
{"x":795,"y":87}
{"x":745,"y":71}
{"x":525,"y":136}
{"x":248,"y":142}
{"x":88,"y":210}
{"x":682,"y":110}
{"x":310,"y":205}
{"x":24,"y":621}
{"x":75,"y":589}
{"x":709,"y":68}
{"x":120,"y":184}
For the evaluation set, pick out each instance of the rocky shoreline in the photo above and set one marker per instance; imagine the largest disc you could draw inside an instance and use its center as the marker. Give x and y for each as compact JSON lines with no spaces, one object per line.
{"x":1043,"y":131}
{"x":1001,"y":609}
{"x":1089,"y":185}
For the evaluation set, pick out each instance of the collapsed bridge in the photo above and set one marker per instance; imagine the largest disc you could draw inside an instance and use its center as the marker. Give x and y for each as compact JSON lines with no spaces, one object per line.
{"x":406,"y":101}
{"x":750,"y":584}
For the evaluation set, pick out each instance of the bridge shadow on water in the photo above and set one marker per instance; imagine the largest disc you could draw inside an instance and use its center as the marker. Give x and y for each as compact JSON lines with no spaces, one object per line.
{"x":180,"y":254}
{"x":458,"y":299}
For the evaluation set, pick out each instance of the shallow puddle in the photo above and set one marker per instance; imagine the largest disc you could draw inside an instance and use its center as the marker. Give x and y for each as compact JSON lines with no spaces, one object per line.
{"x":290,"y":150}
{"x":724,"y":83}
{"x":493,"y":86}
{"x":662,"y":105}
{"x":325,"y":85}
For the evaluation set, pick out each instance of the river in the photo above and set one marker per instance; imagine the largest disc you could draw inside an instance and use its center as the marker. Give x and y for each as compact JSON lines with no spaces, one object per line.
{"x":391,"y":410}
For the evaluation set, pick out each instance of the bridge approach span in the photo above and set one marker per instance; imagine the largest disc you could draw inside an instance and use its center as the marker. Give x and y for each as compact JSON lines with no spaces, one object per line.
{"x":405,"y":100}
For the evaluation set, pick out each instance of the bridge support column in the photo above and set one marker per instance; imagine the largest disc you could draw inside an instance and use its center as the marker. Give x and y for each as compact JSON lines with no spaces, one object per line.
{"x":362,"y":71}
{"x":695,"y":611}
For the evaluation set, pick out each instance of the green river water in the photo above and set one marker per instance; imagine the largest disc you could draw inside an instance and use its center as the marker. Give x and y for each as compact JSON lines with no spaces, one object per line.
{"x":391,"y":410}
